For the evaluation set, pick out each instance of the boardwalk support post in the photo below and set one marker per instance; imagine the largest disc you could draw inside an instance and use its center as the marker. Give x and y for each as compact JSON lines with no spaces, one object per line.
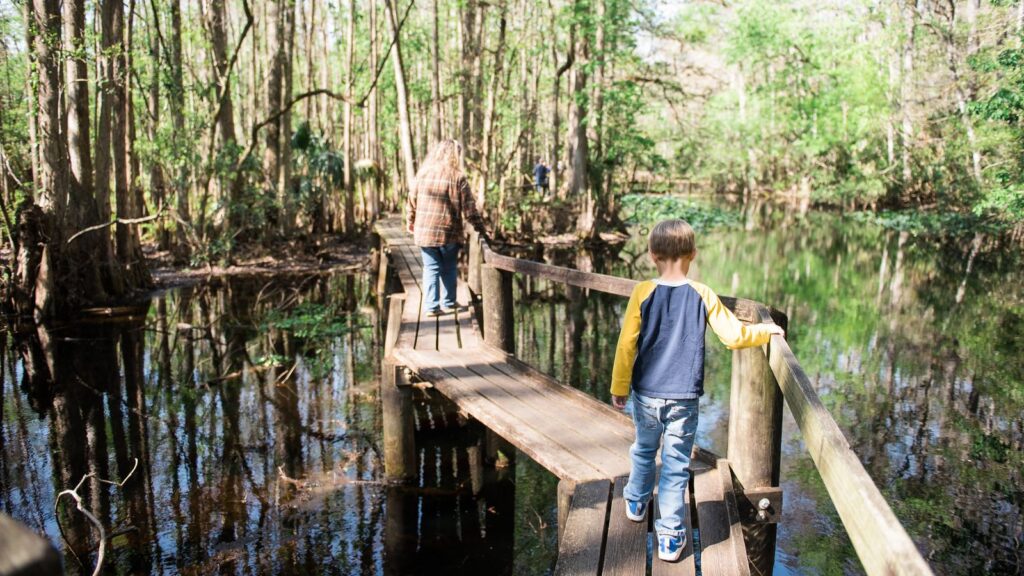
{"x":396,"y":405}
{"x":498,"y":321}
{"x":755,"y":444}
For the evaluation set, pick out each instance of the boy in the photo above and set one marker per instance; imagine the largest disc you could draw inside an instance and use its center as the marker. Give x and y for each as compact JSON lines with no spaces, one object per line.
{"x":660,"y":355}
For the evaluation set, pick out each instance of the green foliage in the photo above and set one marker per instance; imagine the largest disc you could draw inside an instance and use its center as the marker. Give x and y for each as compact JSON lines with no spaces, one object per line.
{"x":929,"y":223}
{"x":308,"y":321}
{"x":648,"y":209}
{"x":321,"y":170}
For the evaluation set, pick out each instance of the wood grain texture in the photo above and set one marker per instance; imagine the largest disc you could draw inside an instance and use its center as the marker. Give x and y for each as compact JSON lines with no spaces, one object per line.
{"x":463,"y":387}
{"x":558,"y":422}
{"x":626,"y":546}
{"x":719,"y":542}
{"x":582,"y":544}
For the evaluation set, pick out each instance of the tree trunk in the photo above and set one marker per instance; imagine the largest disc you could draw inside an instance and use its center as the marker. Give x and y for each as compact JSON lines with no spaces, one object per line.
{"x":372,"y":134}
{"x":491,"y":111}
{"x":435,"y":85}
{"x":128,"y":247}
{"x":103,"y":160}
{"x":177,"y":101}
{"x":38,"y":281}
{"x":906,"y":87}
{"x":404,"y":128}
{"x":217,"y":24}
{"x":556,"y":118}
{"x":579,"y":181}
{"x":350,"y":219}
{"x":275,"y":78}
{"x":157,"y":182}
{"x":287,"y":90}
{"x":84,"y":254}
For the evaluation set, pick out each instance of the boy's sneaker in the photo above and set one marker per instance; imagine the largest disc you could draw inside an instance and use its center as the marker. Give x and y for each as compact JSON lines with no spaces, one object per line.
{"x":670,"y":548}
{"x":435,"y":312}
{"x":636,"y":511}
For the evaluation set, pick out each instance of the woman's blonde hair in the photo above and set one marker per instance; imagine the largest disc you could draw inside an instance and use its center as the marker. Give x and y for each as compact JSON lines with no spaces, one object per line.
{"x":443,"y":161}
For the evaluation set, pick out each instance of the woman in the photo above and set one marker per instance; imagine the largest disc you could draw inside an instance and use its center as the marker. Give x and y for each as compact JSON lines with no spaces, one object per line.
{"x":439,"y":202}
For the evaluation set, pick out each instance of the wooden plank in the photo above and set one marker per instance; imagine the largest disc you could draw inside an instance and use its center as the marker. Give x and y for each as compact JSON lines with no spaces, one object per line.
{"x":447,"y":336}
{"x":470,"y":335}
{"x":604,"y":415}
{"x":626,"y":547}
{"x":25,"y":553}
{"x":517,"y":431}
{"x":565,"y":426}
{"x":881,"y":542}
{"x":411,"y":312}
{"x":721,"y":535}
{"x":581,"y":429}
{"x":394,"y":325}
{"x":582,"y":545}
{"x":686,"y":566}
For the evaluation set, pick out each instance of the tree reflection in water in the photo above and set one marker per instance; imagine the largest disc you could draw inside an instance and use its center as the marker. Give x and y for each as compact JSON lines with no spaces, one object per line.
{"x":252,"y":409}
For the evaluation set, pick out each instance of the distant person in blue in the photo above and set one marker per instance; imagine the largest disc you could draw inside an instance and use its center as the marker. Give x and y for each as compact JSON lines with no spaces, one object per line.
{"x":540,"y":177}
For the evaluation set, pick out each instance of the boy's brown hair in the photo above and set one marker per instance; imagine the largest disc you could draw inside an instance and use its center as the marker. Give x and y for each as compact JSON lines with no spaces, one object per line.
{"x":671,"y":240}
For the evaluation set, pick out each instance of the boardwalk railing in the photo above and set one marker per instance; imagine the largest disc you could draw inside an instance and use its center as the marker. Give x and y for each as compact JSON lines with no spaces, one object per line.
{"x":760,"y":378}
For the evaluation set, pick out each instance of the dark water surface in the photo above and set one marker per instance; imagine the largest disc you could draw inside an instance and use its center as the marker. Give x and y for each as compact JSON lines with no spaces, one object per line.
{"x":252,"y":409}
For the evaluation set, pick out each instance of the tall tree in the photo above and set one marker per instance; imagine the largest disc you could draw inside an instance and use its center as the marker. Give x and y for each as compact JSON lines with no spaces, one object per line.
{"x":349,"y":183}
{"x":157,"y":180}
{"x":277,"y":52}
{"x":177,"y":102}
{"x":85,"y":253}
{"x":225,"y":116}
{"x":402,"y":96}
{"x":37,"y":273}
{"x":128,"y":247}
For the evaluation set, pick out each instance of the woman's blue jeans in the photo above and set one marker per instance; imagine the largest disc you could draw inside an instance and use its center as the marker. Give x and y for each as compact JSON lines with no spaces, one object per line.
{"x":440,"y":263}
{"x":672,"y":425}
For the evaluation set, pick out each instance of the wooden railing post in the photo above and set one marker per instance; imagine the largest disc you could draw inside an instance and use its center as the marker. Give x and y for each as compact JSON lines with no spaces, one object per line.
{"x":499,"y":328}
{"x":755,"y":444}
{"x":476,"y":262}
{"x":396,"y":405}
{"x":566,"y":490}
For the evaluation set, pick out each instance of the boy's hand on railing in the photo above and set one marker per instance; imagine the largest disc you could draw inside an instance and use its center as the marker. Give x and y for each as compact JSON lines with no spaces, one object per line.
{"x":619,"y":402}
{"x":775,"y":329}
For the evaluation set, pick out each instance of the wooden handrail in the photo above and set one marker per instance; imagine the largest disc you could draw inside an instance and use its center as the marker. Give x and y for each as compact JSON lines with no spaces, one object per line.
{"x":881,"y":542}
{"x":744,"y":309}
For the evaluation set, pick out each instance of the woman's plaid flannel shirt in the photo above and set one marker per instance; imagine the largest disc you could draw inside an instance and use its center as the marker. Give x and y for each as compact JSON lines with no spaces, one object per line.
{"x":437,"y":207}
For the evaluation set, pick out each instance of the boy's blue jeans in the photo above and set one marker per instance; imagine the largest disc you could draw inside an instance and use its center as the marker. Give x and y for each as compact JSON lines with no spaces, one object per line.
{"x":440,"y":262}
{"x":672,"y":425}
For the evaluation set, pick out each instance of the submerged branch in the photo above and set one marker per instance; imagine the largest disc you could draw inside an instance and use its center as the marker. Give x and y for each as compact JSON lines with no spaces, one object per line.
{"x":73,"y":493}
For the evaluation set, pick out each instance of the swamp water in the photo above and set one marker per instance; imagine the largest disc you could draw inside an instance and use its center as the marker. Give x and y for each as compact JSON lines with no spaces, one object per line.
{"x":251,"y":407}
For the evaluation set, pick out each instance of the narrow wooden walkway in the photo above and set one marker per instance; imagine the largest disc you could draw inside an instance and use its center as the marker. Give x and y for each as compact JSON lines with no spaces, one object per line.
{"x":583,"y":441}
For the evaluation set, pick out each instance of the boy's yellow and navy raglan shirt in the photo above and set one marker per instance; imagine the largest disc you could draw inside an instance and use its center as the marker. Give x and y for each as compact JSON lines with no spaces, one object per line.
{"x":661,"y":346}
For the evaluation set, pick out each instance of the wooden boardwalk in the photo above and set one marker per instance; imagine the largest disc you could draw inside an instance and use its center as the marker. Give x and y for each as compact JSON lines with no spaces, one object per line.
{"x":583,"y":441}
